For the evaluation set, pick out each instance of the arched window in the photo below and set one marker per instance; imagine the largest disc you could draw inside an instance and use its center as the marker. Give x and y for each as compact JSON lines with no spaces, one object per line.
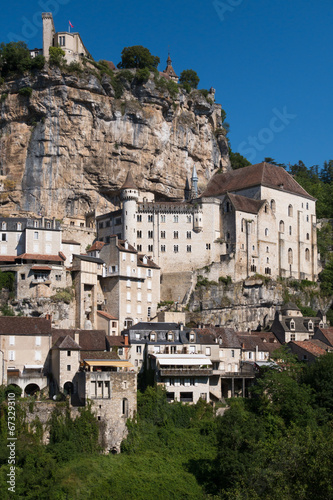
{"x":19,"y":226}
{"x":307,"y":236}
{"x":266,"y":231}
{"x":290,"y":210}
{"x":3,"y":226}
{"x":281,"y":226}
{"x":228,"y":236}
{"x":292,"y":325}
{"x":266,"y":209}
{"x":290,"y":256}
{"x":227,"y":207}
{"x":125,"y":407}
{"x":307,"y":254}
{"x":242,"y":225}
{"x":267,"y":249}
{"x":273,"y":205}
{"x":307,"y":206}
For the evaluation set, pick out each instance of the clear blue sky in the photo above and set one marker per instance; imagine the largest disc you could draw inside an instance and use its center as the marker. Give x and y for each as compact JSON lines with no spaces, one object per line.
{"x":270,"y":61}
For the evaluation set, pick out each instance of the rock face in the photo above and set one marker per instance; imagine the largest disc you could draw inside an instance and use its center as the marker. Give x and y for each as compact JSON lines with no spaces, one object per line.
{"x":66,"y":148}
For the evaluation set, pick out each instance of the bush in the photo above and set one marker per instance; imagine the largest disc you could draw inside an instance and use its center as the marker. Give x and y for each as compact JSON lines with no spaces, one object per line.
{"x":64,"y":295}
{"x":74,"y":67}
{"x":7,"y":280}
{"x":6,"y":310}
{"x":25,"y":91}
{"x":57,"y":56}
{"x":226,"y":280}
{"x":142,"y":75}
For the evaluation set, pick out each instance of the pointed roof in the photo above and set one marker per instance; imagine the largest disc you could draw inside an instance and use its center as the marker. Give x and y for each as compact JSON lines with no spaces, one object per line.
{"x":129,"y":182}
{"x":194,"y":174}
{"x":263,"y":174}
{"x":169,"y":69}
{"x":244,"y":204}
{"x":66,"y":343}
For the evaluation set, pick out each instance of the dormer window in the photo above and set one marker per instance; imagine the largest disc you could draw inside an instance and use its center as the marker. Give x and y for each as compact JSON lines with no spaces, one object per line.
{"x":19,"y":226}
{"x":152,"y":337}
{"x":310,"y":326}
{"x":191,"y":337}
{"x":170,"y":336}
{"x":144,"y":259}
{"x":321,"y":324}
{"x":3,"y":226}
{"x":292,"y":325}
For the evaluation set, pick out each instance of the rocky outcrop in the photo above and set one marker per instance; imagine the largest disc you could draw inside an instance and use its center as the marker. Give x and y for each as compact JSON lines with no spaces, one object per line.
{"x":66,"y":148}
{"x":249,"y":304}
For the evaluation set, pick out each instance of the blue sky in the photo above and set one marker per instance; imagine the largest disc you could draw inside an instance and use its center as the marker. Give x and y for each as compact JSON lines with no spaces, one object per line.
{"x":269,"y":61}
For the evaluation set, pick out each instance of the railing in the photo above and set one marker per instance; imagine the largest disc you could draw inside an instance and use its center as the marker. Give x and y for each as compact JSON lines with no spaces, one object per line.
{"x":16,"y":375}
{"x":183,"y":372}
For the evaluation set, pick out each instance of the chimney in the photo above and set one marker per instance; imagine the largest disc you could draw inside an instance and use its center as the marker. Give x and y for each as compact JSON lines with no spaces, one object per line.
{"x":48,"y":316}
{"x":126,"y":339}
{"x":77,"y":337}
{"x":181,"y":326}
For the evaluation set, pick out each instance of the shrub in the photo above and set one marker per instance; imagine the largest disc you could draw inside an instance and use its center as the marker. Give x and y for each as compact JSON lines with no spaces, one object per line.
{"x":57,"y":56}
{"x":25,"y":91}
{"x":204,"y":92}
{"x":226,"y":280}
{"x":6,"y":310}
{"x":64,"y":295}
{"x":74,"y":67}
{"x":142,"y":75}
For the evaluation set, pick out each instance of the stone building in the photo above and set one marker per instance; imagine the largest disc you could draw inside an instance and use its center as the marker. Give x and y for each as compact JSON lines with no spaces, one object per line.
{"x":70,"y":43}
{"x":169,"y":71}
{"x":25,"y":345}
{"x":309,"y":350}
{"x":130,"y":283}
{"x":290,"y":325}
{"x":257,"y":219}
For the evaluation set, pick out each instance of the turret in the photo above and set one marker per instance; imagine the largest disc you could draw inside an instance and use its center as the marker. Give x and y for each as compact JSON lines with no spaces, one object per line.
{"x":197,"y":219}
{"x":194,"y":184}
{"x":48,"y":33}
{"x":129,"y":196}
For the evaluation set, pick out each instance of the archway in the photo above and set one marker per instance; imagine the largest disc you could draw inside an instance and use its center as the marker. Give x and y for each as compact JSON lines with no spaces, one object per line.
{"x":68,"y":388}
{"x":31,"y":389}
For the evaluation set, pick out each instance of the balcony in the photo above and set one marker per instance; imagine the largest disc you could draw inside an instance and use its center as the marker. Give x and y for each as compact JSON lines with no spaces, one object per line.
{"x":186,"y":372}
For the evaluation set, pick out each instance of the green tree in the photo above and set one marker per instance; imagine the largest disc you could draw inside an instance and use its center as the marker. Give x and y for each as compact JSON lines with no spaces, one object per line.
{"x":138,"y":56}
{"x":237,"y":160}
{"x":319,"y":376}
{"x":14,"y":58}
{"x":189,"y":79}
{"x":57,"y":56}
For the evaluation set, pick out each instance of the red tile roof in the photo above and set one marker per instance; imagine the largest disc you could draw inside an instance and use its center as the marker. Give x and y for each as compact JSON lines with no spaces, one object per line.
{"x":41,"y":268}
{"x":37,"y":256}
{"x":263,"y":174}
{"x":150,"y":263}
{"x":107,"y":315}
{"x":116,"y":340}
{"x":7,"y":258}
{"x":310,"y":347}
{"x":96,"y":246}
{"x":328,"y":334}
{"x":89,"y":340}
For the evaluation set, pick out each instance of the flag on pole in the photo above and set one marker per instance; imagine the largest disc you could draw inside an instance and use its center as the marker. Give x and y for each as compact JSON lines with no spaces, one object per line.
{"x":71,"y":24}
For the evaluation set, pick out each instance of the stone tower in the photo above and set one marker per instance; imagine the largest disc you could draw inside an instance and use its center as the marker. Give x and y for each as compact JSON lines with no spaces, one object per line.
{"x":194,"y":183}
{"x":48,"y":33}
{"x":129,"y":195}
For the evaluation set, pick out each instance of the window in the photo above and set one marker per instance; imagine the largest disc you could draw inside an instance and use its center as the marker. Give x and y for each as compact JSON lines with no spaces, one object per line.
{"x":139,"y":297}
{"x":175,"y":218}
{"x":124,"y":407}
{"x":12,"y":340}
{"x":62,"y":40}
{"x":149,"y":312}
{"x":267,"y":260}
{"x":11,"y":355}
{"x":207,"y":246}
{"x":307,"y":236}
{"x":22,"y":277}
{"x":207,"y":351}
{"x":139,"y":218}
{"x":292,"y":325}
{"x":290,"y":256}
{"x":273,"y":205}
{"x":162,"y":248}
{"x":227,"y":207}
{"x":68,"y":368}
{"x":170,"y":336}
{"x":69,"y":353}
{"x":267,"y":270}
{"x":188,"y":235}
{"x":149,"y":285}
{"x":292,"y":337}
{"x":290,"y":210}
{"x":149,"y":273}
{"x":266,"y":209}
{"x":281,"y":226}
{"x":128,"y":308}
{"x":4,"y":226}
{"x":118,"y":221}
{"x":150,"y":218}
{"x":128,"y":283}
{"x":266,"y":231}
{"x":150,"y":248}
{"x":58,"y":277}
{"x":163,"y":234}
{"x":188,"y":248}
{"x":162,"y":218}
{"x":242,"y":225}
{"x":175,"y":248}
{"x":139,"y":248}
{"x":290,"y":230}
{"x":36,"y":235}
{"x":307,"y":254}
{"x":232,"y":353}
{"x":128,"y":270}
{"x":138,"y":349}
{"x":149,"y":297}
{"x":139,"y":234}
{"x":310,"y":326}
{"x":152,"y":337}
{"x":267,"y":249}
{"x":150,"y":234}
{"x":307,"y":206}
{"x":175,"y":235}
{"x":250,"y":355}
{"x":38,"y":340}
{"x":189,"y":218}
{"x":19,"y":226}
{"x":4,"y":237}
{"x":191,"y":337}
{"x":128,"y":296}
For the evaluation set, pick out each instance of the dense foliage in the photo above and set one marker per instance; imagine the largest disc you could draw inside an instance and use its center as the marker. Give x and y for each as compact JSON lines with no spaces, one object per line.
{"x":137,"y":56}
{"x":15,"y":59}
{"x":189,"y":79}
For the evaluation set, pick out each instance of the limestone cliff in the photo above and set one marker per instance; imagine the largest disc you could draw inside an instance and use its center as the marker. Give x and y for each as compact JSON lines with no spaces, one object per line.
{"x":66,"y":148}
